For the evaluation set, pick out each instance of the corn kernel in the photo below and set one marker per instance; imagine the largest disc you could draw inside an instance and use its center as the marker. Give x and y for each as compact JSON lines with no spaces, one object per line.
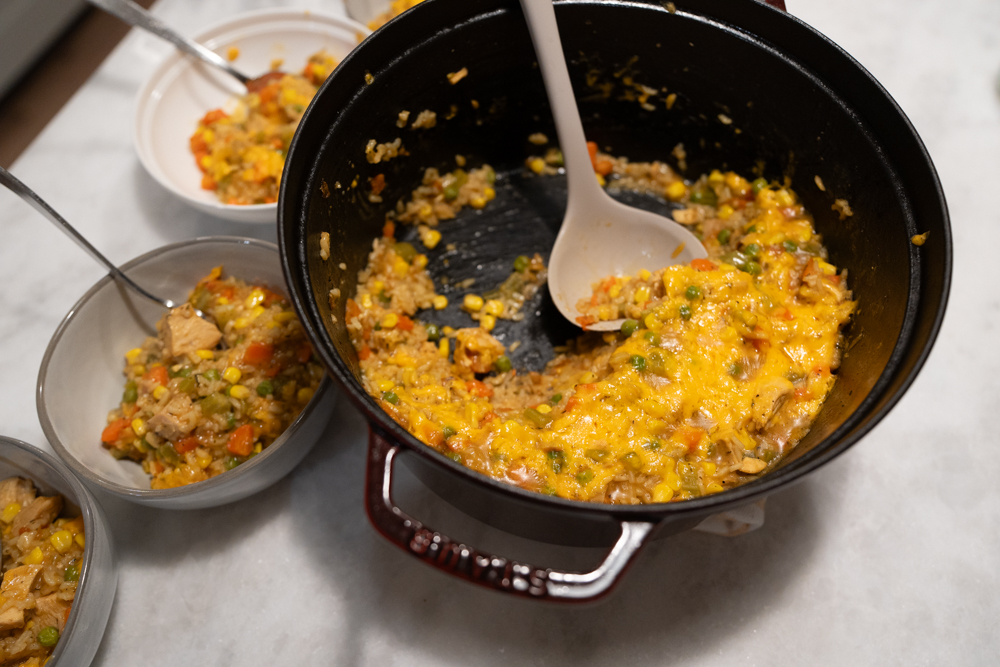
{"x":10,"y":512}
{"x":232,"y":375}
{"x":256,"y":298}
{"x":605,"y":313}
{"x":784,"y":197}
{"x":615,"y":291}
{"x":587,"y":377}
{"x":284,"y":316}
{"x":205,"y":354}
{"x":425,"y":212}
{"x":160,"y":392}
{"x":662,"y":493}
{"x":490,"y":194}
{"x":708,"y":467}
{"x":258,"y":448}
{"x":714,"y":487}
{"x":487,"y":322}
{"x":390,"y":320}
{"x":62,"y":541}
{"x":385,"y":385}
{"x":409,"y":377}
{"x":544,"y":409}
{"x":34,"y":557}
{"x":440,"y":302}
{"x":493,"y":307}
{"x":644,"y":274}
{"x":241,"y":322}
{"x":378,"y":286}
{"x":725,"y":211}
{"x":443,"y":348}
{"x":138,"y":427}
{"x":239,"y":392}
{"x":400,"y":267}
{"x":825,"y":267}
{"x":222,"y":301}
{"x":716,"y":176}
{"x":652,"y":322}
{"x":203,"y":458}
{"x":477,"y":202}
{"x":537,"y":165}
{"x":472,"y":302}
{"x":81,"y":540}
{"x":676,"y":190}
{"x":447,"y":331}
{"x":133,"y":354}
{"x":420,"y":261}
{"x":431,"y":238}
{"x":304,"y":394}
{"x":366,"y":300}
{"x":673,"y":481}
{"x":256,"y":312}
{"x":641,"y":294}
{"x":29,"y":625}
{"x":139,"y":369}
{"x":600,"y":180}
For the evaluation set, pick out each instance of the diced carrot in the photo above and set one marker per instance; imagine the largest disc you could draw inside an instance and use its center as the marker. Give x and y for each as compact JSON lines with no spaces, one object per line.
{"x":213,"y":116}
{"x":835,"y":280}
{"x":586,"y":320}
{"x":241,"y":441}
{"x":604,"y":166}
{"x":113,"y":431}
{"x":404,"y":323}
{"x":258,"y":354}
{"x":378,"y":184}
{"x":489,"y":416}
{"x":157,"y":374}
{"x":477,"y":388}
{"x":592,"y":149}
{"x":208,"y":183}
{"x":66,"y":615}
{"x":689,"y":436}
{"x":269,"y":93}
{"x":571,"y":403}
{"x":304,"y":352}
{"x":703,"y":265}
{"x":389,"y":229}
{"x":186,"y":445}
{"x":198,"y":144}
{"x":364,"y":353}
{"x":274,"y":370}
{"x":802,"y":392}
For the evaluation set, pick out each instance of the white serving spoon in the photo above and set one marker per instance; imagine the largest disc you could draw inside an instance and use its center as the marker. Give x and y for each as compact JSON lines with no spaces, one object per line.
{"x":599,"y":236}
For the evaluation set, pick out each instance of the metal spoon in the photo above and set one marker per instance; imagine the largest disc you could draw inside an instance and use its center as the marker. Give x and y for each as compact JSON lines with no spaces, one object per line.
{"x":137,"y":17}
{"x":27,"y":194}
{"x":599,"y":237}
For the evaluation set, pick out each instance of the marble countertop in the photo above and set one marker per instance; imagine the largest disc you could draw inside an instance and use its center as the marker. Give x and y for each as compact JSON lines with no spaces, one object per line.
{"x":889,"y":555}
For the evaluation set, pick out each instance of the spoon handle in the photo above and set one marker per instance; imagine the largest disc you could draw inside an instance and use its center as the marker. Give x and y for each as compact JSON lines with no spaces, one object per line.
{"x":137,"y":17}
{"x":582,"y":183}
{"x":27,"y":194}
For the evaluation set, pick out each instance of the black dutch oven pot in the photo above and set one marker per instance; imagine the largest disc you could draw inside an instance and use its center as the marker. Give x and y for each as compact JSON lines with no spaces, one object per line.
{"x":799,"y":106}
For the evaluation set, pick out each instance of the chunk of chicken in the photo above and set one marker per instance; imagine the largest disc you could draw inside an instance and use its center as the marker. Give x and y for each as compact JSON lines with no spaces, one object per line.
{"x":185,"y":332}
{"x":770,"y":396}
{"x":16,"y":490}
{"x":50,"y":610}
{"x":39,"y":512}
{"x":178,"y":418}
{"x":11,"y":619}
{"x":477,"y":350}
{"x":20,"y":581}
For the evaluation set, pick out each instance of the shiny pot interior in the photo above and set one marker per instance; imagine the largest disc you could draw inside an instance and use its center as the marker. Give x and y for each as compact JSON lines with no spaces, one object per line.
{"x":799,"y":107}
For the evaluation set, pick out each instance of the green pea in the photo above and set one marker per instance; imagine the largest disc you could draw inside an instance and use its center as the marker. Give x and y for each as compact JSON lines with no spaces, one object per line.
{"x":390,"y":397}
{"x":758,"y":185}
{"x":752,"y":250}
{"x":405,"y":250}
{"x":632,"y":460}
{"x":384,"y":298}
{"x":211,"y":375}
{"x":735,"y":369}
{"x":790,"y":246}
{"x":48,"y":637}
{"x":169,"y":454}
{"x":231,"y":462}
{"x":737,"y":259}
{"x":549,"y":491}
{"x":433,"y":333}
{"x":230,"y":422}
{"x":638,"y":362}
{"x":753,"y":268}
{"x":214,"y":404}
{"x":521,"y":263}
{"x":652,"y":337}
{"x":706,"y":197}
{"x":461,"y":178}
{"x":447,"y":432}
{"x":558,"y":460}
{"x":454,"y":456}
{"x":451,"y":192}
{"x":556,"y":158}
{"x":491,"y":176}
{"x":652,"y":445}
{"x":685,"y":312}
{"x":585,"y":477}
{"x":265,"y":388}
{"x":72,"y":572}
{"x":629,"y":327}
{"x":692,"y":292}
{"x":502,"y":364}
{"x":131,"y":394}
{"x":752,"y":229}
{"x":723,"y":236}
{"x":537,"y":418}
{"x":182,"y":373}
{"x":555,"y":398}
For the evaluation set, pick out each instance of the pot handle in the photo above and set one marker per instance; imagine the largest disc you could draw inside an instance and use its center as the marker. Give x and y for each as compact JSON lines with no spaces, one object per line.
{"x":487,"y":570}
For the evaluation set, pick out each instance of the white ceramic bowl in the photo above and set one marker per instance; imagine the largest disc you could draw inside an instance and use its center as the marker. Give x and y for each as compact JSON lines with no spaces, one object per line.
{"x":95,"y":591}
{"x":182,"y":90}
{"x":81,"y":375}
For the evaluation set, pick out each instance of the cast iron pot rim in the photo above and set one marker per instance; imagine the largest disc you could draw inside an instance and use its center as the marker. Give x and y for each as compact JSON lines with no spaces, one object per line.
{"x":856,"y":426}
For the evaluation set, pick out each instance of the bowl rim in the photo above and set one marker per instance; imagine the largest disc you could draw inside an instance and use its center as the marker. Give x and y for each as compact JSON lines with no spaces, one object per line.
{"x":881,"y":399}
{"x":227,"y":478}
{"x":145,"y":98}
{"x":91,"y":514}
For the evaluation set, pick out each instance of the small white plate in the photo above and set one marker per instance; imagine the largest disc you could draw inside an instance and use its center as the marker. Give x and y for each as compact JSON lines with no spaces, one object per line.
{"x":182,"y":90}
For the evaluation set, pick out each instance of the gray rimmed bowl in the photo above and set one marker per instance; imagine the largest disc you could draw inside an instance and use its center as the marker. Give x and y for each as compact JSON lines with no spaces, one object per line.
{"x":81,"y":379}
{"x":95,"y":592}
